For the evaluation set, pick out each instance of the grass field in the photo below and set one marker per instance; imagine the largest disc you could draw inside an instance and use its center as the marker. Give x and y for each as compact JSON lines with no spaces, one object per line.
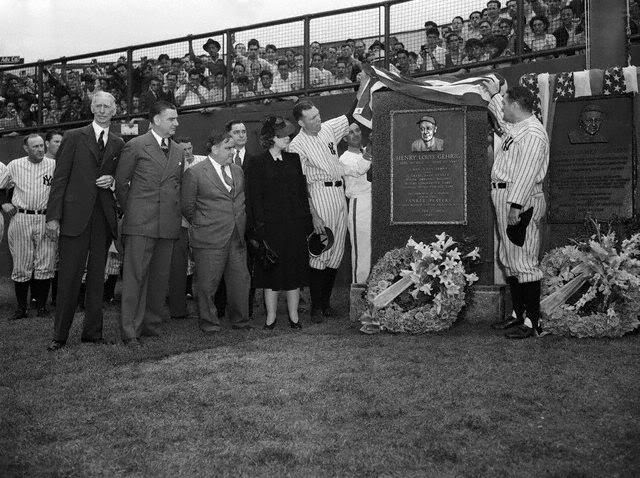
{"x":323,"y":401}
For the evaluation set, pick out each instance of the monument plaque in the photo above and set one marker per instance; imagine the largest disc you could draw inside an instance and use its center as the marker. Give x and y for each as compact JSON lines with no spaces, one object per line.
{"x":428,"y":166}
{"x":591,"y":167}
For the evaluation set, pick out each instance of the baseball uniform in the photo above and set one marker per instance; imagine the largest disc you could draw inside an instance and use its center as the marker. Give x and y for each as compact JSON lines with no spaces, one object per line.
{"x":358,"y":190}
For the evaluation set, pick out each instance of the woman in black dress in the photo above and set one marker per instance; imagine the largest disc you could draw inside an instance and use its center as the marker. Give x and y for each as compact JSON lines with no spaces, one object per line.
{"x":278,"y":213}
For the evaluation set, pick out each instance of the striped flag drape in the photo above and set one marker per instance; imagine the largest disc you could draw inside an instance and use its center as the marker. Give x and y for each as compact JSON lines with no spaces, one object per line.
{"x":469,"y":91}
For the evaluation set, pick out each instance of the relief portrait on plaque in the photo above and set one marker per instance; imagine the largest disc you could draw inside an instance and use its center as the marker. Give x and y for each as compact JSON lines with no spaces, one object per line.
{"x":428,"y":173}
{"x":427,"y":141}
{"x":591,"y":160}
{"x":589,"y":125}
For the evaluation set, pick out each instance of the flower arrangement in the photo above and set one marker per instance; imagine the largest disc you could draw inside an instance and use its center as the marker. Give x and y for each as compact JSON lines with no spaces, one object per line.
{"x":608,"y":302}
{"x":435,"y":294}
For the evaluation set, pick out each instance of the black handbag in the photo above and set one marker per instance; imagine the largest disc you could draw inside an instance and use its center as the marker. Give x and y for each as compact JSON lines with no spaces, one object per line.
{"x":264,"y":255}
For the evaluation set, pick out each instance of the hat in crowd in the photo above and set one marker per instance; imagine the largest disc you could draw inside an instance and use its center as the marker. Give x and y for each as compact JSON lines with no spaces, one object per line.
{"x":211,"y":42}
{"x":518,"y":232}
{"x":283,"y":127}
{"x":319,"y":243}
{"x":427,"y":118}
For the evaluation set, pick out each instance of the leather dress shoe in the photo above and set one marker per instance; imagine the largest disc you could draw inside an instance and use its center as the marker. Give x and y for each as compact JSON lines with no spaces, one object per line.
{"x":523,"y":332}
{"x":316,"y":316}
{"x":133,"y":343}
{"x":329,"y":312}
{"x":507,"y":323}
{"x":270,"y":326}
{"x":295,"y":325}
{"x":55,"y":345}
{"x":242,"y":327}
{"x":42,"y":312}
{"x":19,"y":314}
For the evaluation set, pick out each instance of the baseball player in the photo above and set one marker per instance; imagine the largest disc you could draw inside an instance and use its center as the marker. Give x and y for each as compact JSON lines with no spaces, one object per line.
{"x":518,"y":171}
{"x":358,"y":190}
{"x":32,"y":251}
{"x":4,"y":182}
{"x":317,"y":144}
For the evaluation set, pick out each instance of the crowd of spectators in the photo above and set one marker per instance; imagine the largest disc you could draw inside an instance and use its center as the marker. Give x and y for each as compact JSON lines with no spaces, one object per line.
{"x":258,"y":71}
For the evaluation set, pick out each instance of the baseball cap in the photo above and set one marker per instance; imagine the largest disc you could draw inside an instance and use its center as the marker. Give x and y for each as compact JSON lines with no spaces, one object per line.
{"x":319,"y":243}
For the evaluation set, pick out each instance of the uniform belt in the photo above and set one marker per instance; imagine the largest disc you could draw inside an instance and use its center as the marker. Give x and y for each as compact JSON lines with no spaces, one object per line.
{"x":333,"y":183}
{"x":31,"y":211}
{"x":498,"y":185}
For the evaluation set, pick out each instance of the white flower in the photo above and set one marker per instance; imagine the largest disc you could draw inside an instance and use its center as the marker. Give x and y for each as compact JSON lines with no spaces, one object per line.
{"x":436,"y":255}
{"x":433,"y":270}
{"x":450,"y":242}
{"x":454,"y":254}
{"x":441,"y":237}
{"x":471,"y":278}
{"x":449,"y":263}
{"x":426,"y":288}
{"x":474,"y":254}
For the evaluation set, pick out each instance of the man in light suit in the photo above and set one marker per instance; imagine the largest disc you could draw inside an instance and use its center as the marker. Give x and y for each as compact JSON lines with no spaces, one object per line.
{"x":213,"y":203}
{"x":81,"y":209}
{"x":148,"y":180}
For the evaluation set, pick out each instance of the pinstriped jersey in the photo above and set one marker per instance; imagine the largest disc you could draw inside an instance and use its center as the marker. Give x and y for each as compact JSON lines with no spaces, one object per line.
{"x":319,"y":153}
{"x":4,"y":175}
{"x":31,"y":182}
{"x":523,"y":158}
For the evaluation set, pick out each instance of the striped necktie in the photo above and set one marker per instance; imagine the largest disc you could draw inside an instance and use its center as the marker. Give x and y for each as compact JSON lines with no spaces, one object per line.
{"x":227,"y":177}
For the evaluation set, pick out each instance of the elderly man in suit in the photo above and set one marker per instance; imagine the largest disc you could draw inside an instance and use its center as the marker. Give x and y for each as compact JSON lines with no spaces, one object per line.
{"x":148,"y":180}
{"x":82,"y":211}
{"x":213,"y":202}
{"x":427,"y":140}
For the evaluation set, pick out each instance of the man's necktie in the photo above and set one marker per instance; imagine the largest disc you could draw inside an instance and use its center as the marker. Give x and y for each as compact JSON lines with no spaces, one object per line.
{"x":227,"y":178}
{"x":101,"y":144}
{"x":237,"y":159}
{"x":164,"y":147}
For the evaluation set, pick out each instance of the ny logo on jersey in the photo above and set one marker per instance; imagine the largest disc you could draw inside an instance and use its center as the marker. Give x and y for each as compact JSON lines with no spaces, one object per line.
{"x":332,"y":148}
{"x":47,"y":179}
{"x":507,"y":143}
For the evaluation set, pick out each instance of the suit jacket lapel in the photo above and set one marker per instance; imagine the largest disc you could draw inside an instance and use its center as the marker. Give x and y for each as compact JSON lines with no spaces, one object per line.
{"x":214,"y":177}
{"x":175,"y":157}
{"x":152,"y":148}
{"x":92,"y":143}
{"x":108,"y":150}
{"x":236,"y":174}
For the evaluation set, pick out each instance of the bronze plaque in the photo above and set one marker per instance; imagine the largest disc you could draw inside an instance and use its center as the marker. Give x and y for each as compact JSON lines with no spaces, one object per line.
{"x":428,"y":166}
{"x":591,"y":166}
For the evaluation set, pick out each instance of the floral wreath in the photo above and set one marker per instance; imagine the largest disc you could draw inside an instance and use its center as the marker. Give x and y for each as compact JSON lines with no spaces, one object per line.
{"x":600,"y":279}
{"x":436,"y":281}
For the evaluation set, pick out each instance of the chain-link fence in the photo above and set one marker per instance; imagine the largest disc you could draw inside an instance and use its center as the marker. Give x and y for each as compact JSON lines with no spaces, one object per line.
{"x":315,"y":54}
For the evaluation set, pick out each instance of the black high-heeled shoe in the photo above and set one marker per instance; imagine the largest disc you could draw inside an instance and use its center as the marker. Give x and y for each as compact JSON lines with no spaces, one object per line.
{"x":295,"y":325}
{"x":270,"y":326}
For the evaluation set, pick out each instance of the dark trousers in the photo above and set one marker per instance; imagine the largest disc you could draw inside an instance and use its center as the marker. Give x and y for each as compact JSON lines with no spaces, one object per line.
{"x":145,"y":279}
{"x":178,"y":275}
{"x":73,"y":250}
{"x":211,"y":266}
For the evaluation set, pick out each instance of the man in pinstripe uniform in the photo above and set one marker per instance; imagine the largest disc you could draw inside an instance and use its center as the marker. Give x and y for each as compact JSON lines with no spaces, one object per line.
{"x":317,"y":144}
{"x":32,"y":251}
{"x":517,"y":175}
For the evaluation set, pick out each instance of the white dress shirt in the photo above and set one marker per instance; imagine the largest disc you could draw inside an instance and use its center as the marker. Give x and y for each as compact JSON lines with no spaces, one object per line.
{"x":218,"y":167}
{"x":97,"y":129}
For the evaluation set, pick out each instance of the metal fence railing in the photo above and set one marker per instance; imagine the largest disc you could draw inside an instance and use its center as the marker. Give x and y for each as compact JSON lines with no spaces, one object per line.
{"x":317,"y":54}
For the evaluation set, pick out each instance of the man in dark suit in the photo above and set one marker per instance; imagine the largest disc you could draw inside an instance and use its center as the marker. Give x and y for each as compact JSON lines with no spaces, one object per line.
{"x":152,"y":95}
{"x":213,"y":202}
{"x":82,"y":211}
{"x":148,"y":180}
